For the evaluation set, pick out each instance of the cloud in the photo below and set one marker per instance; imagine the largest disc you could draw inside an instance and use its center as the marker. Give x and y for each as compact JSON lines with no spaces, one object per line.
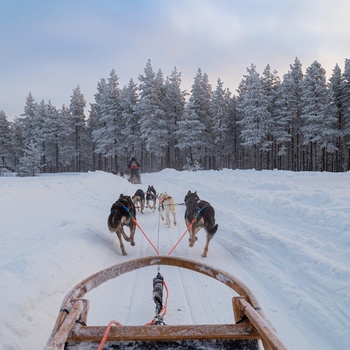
{"x":50,"y":47}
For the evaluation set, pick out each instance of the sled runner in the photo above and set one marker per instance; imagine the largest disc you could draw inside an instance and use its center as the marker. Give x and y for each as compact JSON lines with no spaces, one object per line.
{"x":249,"y":330}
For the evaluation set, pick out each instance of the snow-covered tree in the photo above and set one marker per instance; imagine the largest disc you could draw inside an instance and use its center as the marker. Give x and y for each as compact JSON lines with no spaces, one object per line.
{"x":190,"y":136}
{"x":319,"y":117}
{"x":288,"y":128}
{"x":220,"y":111}
{"x":131,"y":128}
{"x":256,"y":119}
{"x":335,"y":86}
{"x":28,"y":118}
{"x":282,"y":124}
{"x":271,"y":84}
{"x":151,"y":110}
{"x":80,"y":135}
{"x":174,"y":108}
{"x":30,"y":163}
{"x":346,"y":109}
{"x":199,"y":105}
{"x":5,"y":142}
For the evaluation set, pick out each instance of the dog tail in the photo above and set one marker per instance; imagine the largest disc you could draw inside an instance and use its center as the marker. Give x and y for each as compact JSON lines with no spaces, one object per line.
{"x":110,"y":223}
{"x":212,"y":230}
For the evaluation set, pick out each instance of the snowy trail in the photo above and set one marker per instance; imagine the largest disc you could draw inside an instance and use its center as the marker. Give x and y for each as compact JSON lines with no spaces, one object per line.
{"x":285,"y":235}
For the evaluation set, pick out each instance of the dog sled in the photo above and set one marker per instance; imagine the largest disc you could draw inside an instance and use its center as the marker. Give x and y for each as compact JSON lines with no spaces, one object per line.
{"x":135,"y":177}
{"x":250,"y":331}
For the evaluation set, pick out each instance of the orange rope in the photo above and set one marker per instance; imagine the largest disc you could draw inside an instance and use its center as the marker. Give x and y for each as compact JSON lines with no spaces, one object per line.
{"x":183,"y":235}
{"x":146,"y":236}
{"x":107,"y":332}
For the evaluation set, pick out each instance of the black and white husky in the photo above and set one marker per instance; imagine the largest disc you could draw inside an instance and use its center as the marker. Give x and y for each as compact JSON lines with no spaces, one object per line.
{"x":122,"y":214}
{"x":139,"y":200}
{"x":151,"y":196}
{"x":200,"y":214}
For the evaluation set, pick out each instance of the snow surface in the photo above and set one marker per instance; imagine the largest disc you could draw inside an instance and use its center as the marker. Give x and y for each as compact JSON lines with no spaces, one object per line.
{"x":286,"y":235}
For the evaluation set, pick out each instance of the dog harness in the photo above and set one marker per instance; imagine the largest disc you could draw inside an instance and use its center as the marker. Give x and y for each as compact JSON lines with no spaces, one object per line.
{"x":162,"y":199}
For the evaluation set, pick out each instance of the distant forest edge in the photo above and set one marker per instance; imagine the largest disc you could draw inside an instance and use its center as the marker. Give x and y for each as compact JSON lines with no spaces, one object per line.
{"x":300,"y":123}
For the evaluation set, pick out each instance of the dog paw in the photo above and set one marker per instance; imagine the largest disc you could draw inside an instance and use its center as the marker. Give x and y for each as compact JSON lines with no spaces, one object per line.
{"x":132,"y":243}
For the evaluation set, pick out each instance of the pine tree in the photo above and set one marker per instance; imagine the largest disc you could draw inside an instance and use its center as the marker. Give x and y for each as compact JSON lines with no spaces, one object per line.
{"x":292,"y":110}
{"x":79,"y":137}
{"x":17,"y":141}
{"x":271,"y":84}
{"x":111,"y":117}
{"x":98,"y":125}
{"x":282,"y":130}
{"x":131,"y":131}
{"x":5,"y":142}
{"x":30,"y":163}
{"x":319,"y":117}
{"x":346,"y":110}
{"x":28,"y":118}
{"x":66,"y":139}
{"x":200,"y":103}
{"x":189,"y":136}
{"x":335,"y":86}
{"x":219,"y":111}
{"x":174,"y":104}
{"x":153,"y":125}
{"x":256,"y":119}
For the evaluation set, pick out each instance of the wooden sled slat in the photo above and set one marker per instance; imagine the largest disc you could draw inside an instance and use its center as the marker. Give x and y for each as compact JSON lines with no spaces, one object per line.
{"x":224,"y":336}
{"x":166,"y":332}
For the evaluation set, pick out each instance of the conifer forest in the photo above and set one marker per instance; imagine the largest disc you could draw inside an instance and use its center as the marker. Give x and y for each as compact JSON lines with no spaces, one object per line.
{"x":298,"y":122}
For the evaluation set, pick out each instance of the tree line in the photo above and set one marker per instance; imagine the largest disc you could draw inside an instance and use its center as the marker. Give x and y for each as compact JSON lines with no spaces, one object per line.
{"x":300,"y":123}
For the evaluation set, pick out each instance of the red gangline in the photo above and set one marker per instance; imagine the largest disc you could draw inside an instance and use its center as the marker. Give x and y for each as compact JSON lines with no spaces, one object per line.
{"x":146,"y":236}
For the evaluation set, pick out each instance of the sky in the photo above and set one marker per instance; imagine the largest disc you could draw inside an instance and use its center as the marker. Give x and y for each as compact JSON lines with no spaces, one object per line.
{"x":285,"y":235}
{"x":48,"y":48}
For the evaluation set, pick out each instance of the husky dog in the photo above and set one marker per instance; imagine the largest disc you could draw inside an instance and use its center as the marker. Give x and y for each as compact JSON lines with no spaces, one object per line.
{"x":122,"y":214}
{"x":202,"y":215}
{"x":139,"y":200}
{"x":167,"y":204}
{"x":151,"y":196}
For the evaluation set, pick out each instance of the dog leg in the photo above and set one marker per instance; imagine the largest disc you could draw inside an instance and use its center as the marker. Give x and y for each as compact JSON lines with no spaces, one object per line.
{"x":132,"y":227}
{"x":191,"y":239}
{"x":174,"y":214}
{"x":161,"y":214}
{"x":167,"y":215}
{"x":205,"y":251}
{"x":121,"y":243}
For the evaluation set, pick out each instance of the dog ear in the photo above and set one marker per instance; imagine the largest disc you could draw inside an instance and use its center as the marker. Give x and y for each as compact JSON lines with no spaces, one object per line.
{"x":195,"y":192}
{"x":189,"y":192}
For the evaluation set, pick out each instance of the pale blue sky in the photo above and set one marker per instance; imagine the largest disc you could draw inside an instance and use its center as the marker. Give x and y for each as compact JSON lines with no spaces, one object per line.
{"x":49,"y":47}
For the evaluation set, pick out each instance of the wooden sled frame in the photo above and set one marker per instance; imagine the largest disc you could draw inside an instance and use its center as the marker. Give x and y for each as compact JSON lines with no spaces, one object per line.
{"x":70,"y":326}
